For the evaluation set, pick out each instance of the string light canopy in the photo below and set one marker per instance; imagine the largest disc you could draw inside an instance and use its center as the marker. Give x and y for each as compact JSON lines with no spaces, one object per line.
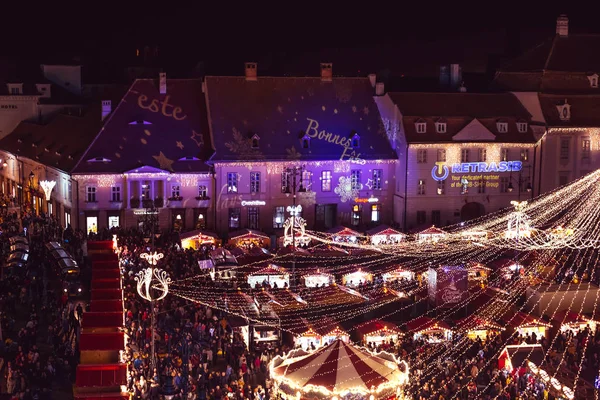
{"x":47,"y":187}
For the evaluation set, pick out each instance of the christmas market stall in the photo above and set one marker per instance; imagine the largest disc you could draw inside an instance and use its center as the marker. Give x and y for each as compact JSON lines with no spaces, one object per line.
{"x":398,"y":274}
{"x":572,"y":321}
{"x":317,"y":277}
{"x":248,"y":238}
{"x":432,"y":235}
{"x":333,"y":294}
{"x":431,"y":330}
{"x":477,"y":327}
{"x":377,"y":332}
{"x":526,"y":324}
{"x":383,"y":235}
{"x":513,"y":358}
{"x":339,"y":370}
{"x":312,"y":334}
{"x":196,"y":239}
{"x":357,"y":278}
{"x":272,"y":275}
{"x":341,"y":234}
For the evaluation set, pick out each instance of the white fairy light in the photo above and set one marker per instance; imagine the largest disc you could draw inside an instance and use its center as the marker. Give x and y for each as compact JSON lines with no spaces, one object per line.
{"x":47,"y":187}
{"x":152,"y":258}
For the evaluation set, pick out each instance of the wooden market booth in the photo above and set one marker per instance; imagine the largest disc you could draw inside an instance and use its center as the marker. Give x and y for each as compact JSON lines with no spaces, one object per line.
{"x":383,"y":235}
{"x":571,"y":321}
{"x":357,"y":278}
{"x":342,"y":234}
{"x":248,"y":238}
{"x":377,"y":332}
{"x":274,"y":275}
{"x":526,"y":324}
{"x":317,"y":278}
{"x":197,"y":238}
{"x":317,"y":332}
{"x":478,"y":327}
{"x":430,"y":329}
{"x":398,"y":273}
{"x":432,"y":234}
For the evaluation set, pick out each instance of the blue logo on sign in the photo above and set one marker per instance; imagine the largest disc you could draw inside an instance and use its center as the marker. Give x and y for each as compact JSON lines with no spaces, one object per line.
{"x":439,"y":172}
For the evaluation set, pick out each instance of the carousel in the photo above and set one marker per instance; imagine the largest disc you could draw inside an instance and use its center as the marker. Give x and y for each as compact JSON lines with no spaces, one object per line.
{"x":357,"y":278}
{"x":339,"y":370}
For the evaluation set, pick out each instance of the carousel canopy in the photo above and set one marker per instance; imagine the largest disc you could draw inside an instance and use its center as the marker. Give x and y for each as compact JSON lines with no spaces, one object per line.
{"x":339,"y":368}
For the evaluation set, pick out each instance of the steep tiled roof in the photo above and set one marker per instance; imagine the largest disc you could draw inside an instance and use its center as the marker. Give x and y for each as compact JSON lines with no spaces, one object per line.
{"x":279,"y":111}
{"x":458,"y":110}
{"x":585,"y":110}
{"x":59,"y":143}
{"x":167,"y":131}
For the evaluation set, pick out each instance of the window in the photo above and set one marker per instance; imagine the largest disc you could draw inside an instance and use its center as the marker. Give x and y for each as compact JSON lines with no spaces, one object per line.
{"x":377,"y":177}
{"x":564,"y":111}
{"x":91,"y":194}
{"x":586,"y":146}
{"x":355,"y":141}
{"x":421,"y":127}
{"x":285,"y":182}
{"x":255,"y":140}
{"x":67,"y":217}
{"x":480,"y":186}
{"x":113,"y":221}
{"x":325,"y":181}
{"x":565,"y":143}
{"x":355,"y":179}
{"x":563,"y":178}
{"x":306,"y":142}
{"x":234,"y":218}
{"x":504,"y":155}
{"x":440,"y":127}
{"x":356,"y":214}
{"x":441,"y":155}
{"x":253,"y":220}
{"x":202,"y":191}
{"x":254,"y":182}
{"x":421,"y":187}
{"x":421,"y":156}
{"x":502,"y":127}
{"x":175,"y":191}
{"x":441,"y":187}
{"x":522,"y":127}
{"x":232,"y":182}
{"x":464,"y":155}
{"x":69,"y":191}
{"x":593,"y":80}
{"x":278,"y":217}
{"x":145,"y":190}
{"x":482,"y":155}
{"x":504,"y":182}
{"x":115,"y":193}
{"x":375,"y":212}
{"x":436,"y":217}
{"x":306,"y":180}
{"x":421,"y":217}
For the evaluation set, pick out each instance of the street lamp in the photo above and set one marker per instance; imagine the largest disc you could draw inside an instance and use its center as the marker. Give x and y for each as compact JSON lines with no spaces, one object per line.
{"x":520,"y":181}
{"x":145,"y":279}
{"x":294,"y":209}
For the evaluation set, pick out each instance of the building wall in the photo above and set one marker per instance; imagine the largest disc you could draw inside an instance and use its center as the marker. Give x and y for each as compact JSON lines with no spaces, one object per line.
{"x":450,"y":202}
{"x":315,"y":200}
{"x":14,"y":110}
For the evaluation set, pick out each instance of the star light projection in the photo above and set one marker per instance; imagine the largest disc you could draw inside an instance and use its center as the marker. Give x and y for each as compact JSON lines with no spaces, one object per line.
{"x":345,"y":190}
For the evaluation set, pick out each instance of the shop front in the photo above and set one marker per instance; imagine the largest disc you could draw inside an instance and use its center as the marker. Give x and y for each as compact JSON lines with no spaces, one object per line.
{"x":178,"y":219}
{"x":114,"y":219}
{"x":91,"y":221}
{"x":200,"y":218}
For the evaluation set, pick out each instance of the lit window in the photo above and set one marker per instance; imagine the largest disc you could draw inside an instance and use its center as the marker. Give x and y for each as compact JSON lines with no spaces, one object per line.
{"x":285,"y":182}
{"x":115,"y":193}
{"x":254,"y":182}
{"x":421,"y":127}
{"x":421,"y":187}
{"x":502,"y":127}
{"x":232,"y":182}
{"x":482,"y":155}
{"x":175,"y":191}
{"x":202,"y":191}
{"x":377,"y":178}
{"x":421,"y":156}
{"x":464,"y":156}
{"x":524,"y":155}
{"x":234,"y":218}
{"x":253,"y":219}
{"x":440,"y":127}
{"x":441,"y":187}
{"x":91,"y":194}
{"x":355,"y":179}
{"x":306,"y":180}
{"x":278,"y":217}
{"x":356,"y":214}
{"x":146,"y":190}
{"x":593,"y":80}
{"x":325,"y":181}
{"x":375,"y":212}
{"x":255,"y":140}
{"x":441,"y":155}
{"x":522,"y":127}
{"x":504,"y":155}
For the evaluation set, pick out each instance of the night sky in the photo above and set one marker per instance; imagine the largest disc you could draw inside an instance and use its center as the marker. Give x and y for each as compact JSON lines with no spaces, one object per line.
{"x":287,"y":38}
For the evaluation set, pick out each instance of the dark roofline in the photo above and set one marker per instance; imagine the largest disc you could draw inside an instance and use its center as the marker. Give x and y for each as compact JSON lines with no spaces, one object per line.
{"x":287,"y":77}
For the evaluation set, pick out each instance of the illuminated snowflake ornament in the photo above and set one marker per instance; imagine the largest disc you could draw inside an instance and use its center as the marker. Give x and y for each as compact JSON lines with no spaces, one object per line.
{"x":345,"y":190}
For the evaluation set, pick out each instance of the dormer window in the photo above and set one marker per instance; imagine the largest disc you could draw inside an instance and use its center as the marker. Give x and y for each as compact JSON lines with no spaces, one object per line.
{"x":306,"y":142}
{"x":355,"y":141}
{"x":593,"y":80}
{"x":43,"y":89}
{"x":98,"y":160}
{"x":440,"y":127}
{"x":564,"y":111}
{"x":15,"y":88}
{"x":140,"y":122}
{"x":421,"y":126}
{"x":522,"y":126}
{"x":255,"y":139}
{"x":502,"y":126}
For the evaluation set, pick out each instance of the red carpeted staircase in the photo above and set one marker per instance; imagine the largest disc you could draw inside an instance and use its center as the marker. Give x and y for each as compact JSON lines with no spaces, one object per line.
{"x":100,"y":375}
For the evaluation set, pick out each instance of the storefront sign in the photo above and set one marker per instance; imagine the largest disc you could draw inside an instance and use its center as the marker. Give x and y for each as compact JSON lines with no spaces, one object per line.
{"x":369,"y":200}
{"x":251,"y":203}
{"x":441,"y":171}
{"x":144,"y":212}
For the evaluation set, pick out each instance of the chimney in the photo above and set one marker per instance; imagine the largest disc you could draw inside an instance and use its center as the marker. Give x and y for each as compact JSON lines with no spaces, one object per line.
{"x":162,"y":82}
{"x":326,"y":72}
{"x":562,"y":25}
{"x":444,"y":75}
{"x":379,"y":89}
{"x":455,"y":75}
{"x":373,"y":79}
{"x":106,"y":108}
{"x":251,"y":74}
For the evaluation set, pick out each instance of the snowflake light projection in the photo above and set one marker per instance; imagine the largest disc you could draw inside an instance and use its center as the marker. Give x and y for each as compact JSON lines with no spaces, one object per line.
{"x":345,"y":190}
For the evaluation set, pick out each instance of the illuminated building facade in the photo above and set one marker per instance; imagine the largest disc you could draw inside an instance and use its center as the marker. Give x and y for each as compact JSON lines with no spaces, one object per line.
{"x":461,"y":155}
